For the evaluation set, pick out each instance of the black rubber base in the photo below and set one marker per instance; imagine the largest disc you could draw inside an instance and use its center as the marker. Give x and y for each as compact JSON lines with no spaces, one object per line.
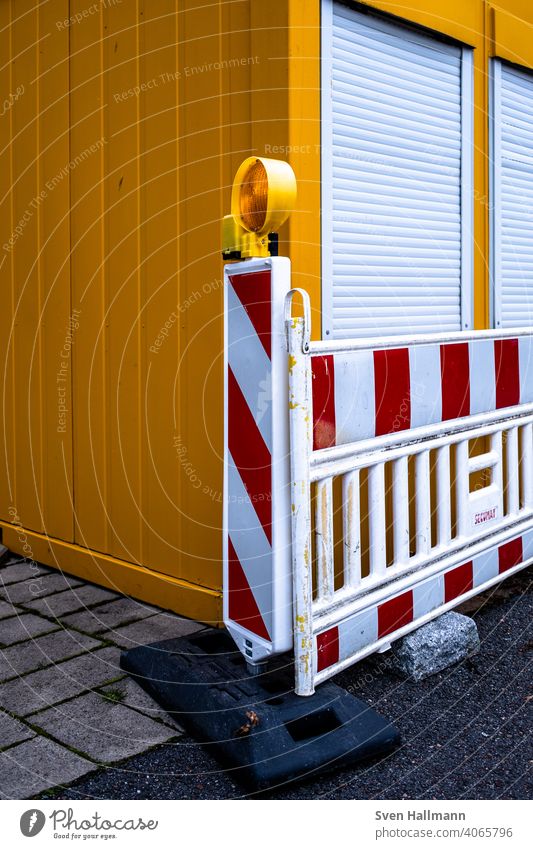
{"x":257,"y":726}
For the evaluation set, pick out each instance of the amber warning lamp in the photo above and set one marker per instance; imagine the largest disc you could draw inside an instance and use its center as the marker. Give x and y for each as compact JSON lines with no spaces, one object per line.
{"x":262,"y":198}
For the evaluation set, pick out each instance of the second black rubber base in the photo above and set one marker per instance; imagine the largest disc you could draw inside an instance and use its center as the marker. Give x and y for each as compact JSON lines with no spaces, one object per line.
{"x":257,"y":726}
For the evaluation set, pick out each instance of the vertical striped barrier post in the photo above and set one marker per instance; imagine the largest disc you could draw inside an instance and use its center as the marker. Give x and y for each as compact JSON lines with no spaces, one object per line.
{"x":257,"y":593}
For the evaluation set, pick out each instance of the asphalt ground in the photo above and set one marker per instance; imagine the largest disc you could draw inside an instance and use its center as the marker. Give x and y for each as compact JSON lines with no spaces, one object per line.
{"x":466,"y":732}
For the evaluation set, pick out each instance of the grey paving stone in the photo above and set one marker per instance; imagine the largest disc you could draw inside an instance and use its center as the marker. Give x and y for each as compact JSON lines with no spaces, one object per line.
{"x":40,"y":587}
{"x":6,"y":609}
{"x":37,"y":765}
{"x":35,"y":654}
{"x":39,"y":690}
{"x":435,"y":646}
{"x":23,"y":627}
{"x":163,"y":626}
{"x":105,"y":731}
{"x":76,"y":598}
{"x":136,"y":698}
{"x":13,"y":731}
{"x":22,"y":570}
{"x":111,"y":615}
{"x":11,"y":558}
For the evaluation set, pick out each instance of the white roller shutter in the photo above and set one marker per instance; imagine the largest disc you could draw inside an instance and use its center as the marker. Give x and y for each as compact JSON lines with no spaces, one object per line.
{"x":512,"y":196}
{"x":396,"y":178}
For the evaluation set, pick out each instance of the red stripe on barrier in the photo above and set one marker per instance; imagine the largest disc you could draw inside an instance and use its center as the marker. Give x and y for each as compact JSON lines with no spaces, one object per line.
{"x":327,"y":648}
{"x":242,"y":606}
{"x":458,"y":581}
{"x":506,"y":364}
{"x":455,"y":381}
{"x":254,"y":292}
{"x":250,"y":454}
{"x":510,"y":554}
{"x":392,"y":386}
{"x":323,"y":382}
{"x":394,"y":614}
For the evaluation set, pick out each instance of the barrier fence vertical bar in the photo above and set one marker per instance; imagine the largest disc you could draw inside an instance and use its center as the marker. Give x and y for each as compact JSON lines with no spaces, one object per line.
{"x":324,"y":538}
{"x":423,"y":505}
{"x":400,"y":489}
{"x":300,"y":416}
{"x":444,"y":511}
{"x":462,"y":483}
{"x":513,"y":502}
{"x":376,"y":510}
{"x":496,"y":444}
{"x":352,"y":529}
{"x":527,"y":466}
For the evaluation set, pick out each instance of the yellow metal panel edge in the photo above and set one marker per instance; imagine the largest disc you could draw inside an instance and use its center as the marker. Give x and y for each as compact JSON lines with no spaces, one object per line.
{"x":512,"y":38}
{"x":195,"y":602}
{"x":304,"y":150}
{"x":455,"y":18}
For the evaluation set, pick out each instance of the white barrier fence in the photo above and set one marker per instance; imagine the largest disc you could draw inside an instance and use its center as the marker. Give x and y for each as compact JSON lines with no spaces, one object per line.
{"x":411,"y":482}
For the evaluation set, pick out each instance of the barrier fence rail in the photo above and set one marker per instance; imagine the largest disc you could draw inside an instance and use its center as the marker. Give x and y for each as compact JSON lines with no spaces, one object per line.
{"x":411,"y":482}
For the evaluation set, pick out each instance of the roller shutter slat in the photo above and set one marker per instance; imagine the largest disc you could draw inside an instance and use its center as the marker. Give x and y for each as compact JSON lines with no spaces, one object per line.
{"x":347,"y":43}
{"x":382,"y":87}
{"x":378,"y":147}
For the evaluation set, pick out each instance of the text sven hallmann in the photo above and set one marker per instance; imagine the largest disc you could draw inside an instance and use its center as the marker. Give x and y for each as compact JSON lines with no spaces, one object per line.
{"x":419,"y":815}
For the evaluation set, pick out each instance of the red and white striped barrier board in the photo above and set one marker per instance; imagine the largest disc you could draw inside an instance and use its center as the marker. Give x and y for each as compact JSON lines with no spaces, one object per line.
{"x":256,"y":525}
{"x":361,"y":394}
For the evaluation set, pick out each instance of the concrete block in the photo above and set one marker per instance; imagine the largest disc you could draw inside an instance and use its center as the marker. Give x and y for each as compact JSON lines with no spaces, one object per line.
{"x":104,"y":730}
{"x":163,"y":626}
{"x":19,"y":628}
{"x":37,"y":765}
{"x":44,"y":651}
{"x":38,"y":587}
{"x":75,"y":598}
{"x":435,"y":646}
{"x":13,"y":731}
{"x":39,"y":690}
{"x":111,"y":615}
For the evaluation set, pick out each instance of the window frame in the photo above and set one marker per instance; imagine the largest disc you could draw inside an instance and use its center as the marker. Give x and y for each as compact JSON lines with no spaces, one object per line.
{"x":495,"y":196}
{"x":467,"y":156}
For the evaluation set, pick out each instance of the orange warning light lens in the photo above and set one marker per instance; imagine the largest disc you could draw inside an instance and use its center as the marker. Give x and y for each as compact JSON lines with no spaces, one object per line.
{"x":263,"y":194}
{"x":254,"y":197}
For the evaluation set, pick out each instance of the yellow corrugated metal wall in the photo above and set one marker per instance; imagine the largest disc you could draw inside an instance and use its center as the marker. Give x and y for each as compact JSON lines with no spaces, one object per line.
{"x":124,"y":248}
{"x":120,"y":134}
{"x":35,"y":459}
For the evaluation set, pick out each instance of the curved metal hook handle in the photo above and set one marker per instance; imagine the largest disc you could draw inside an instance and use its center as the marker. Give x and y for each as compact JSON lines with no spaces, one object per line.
{"x":307,"y":316}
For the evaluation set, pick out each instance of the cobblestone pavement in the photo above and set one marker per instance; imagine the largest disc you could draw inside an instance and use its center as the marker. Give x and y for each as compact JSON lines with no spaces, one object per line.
{"x":60,"y":679}
{"x":72,"y":726}
{"x":466,"y":731}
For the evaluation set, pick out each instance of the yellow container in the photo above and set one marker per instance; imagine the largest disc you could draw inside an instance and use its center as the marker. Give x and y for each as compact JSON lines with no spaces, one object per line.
{"x":123,"y":124}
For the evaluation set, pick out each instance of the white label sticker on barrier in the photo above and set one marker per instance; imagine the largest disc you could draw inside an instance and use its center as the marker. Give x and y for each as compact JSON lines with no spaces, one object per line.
{"x":256,"y":526}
